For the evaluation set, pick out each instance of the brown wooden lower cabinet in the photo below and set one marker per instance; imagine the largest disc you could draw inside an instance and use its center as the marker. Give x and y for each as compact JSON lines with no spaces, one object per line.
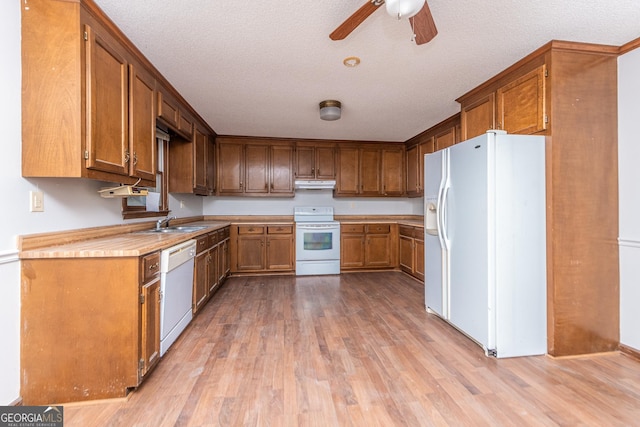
{"x":262,"y":248}
{"x":368,"y":246}
{"x":211,"y":265}
{"x":90,"y":327}
{"x":411,"y":250}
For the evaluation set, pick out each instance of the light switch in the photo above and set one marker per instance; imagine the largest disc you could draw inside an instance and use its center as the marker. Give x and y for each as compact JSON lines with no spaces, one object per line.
{"x":36,"y":201}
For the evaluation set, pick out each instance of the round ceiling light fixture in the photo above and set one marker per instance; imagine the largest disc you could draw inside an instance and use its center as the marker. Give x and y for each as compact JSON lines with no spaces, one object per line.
{"x":330,"y":110}
{"x":403,"y":8}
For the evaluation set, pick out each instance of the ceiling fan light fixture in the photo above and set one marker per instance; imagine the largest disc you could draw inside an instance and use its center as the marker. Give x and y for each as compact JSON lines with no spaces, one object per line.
{"x":330,"y":110}
{"x":402,"y":9}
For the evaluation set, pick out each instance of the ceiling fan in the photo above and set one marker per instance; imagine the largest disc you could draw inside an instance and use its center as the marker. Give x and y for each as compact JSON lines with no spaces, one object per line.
{"x":417,"y":11}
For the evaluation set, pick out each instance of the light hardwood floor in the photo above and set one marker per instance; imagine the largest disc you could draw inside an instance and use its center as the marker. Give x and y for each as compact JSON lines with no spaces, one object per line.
{"x":357,"y":350}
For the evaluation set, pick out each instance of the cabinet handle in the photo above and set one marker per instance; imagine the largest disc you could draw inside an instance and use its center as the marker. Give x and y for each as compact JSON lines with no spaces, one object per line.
{"x":241,"y":184}
{"x":126,"y":156}
{"x":312,"y":171}
{"x":272,"y":186}
{"x":135,"y":158}
{"x":153,"y":266}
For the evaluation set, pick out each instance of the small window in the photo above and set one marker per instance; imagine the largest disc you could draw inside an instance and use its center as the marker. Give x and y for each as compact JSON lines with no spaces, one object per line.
{"x":136,"y":207}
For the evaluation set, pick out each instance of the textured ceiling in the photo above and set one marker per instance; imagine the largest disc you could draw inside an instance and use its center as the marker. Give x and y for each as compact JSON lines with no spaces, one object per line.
{"x":260,"y":68}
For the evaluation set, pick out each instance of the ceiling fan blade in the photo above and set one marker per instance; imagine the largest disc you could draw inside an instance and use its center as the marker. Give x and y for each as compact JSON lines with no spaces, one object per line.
{"x":354,"y":20}
{"x":423,"y":25}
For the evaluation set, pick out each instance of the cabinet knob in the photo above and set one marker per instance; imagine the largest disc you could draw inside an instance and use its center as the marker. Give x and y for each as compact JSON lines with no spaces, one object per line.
{"x":153,"y":266}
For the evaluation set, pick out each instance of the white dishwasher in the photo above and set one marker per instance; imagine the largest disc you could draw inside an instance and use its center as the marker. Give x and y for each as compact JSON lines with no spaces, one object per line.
{"x":176,"y":287}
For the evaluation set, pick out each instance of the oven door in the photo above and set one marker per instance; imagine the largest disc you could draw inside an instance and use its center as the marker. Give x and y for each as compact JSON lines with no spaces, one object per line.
{"x":317,"y":241}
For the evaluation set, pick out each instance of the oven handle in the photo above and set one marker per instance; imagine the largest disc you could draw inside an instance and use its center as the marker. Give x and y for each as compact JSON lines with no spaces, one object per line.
{"x":317,"y":226}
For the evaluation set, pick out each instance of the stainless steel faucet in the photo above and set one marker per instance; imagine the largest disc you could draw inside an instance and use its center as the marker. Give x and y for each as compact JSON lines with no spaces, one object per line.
{"x":164,"y":222}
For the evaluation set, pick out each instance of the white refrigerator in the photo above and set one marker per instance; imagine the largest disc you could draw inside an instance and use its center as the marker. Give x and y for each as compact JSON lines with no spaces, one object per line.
{"x":485,"y":241}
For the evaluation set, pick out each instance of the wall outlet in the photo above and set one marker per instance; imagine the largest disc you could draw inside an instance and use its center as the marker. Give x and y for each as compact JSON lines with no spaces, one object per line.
{"x":36,"y":201}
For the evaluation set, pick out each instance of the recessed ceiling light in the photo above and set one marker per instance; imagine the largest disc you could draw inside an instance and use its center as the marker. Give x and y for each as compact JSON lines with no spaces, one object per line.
{"x":351,"y":61}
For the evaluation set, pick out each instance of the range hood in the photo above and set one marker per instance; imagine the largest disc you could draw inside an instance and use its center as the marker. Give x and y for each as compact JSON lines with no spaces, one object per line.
{"x":308,"y":184}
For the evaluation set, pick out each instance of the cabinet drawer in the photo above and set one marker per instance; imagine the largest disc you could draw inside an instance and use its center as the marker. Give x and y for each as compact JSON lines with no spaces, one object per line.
{"x":280,"y":229}
{"x":213,"y":239}
{"x":150,"y":266}
{"x":406,"y":230}
{"x":352,"y":228}
{"x":378,"y":228}
{"x":223,"y":233}
{"x":202,"y":243}
{"x":250,"y":229}
{"x":418,"y":233}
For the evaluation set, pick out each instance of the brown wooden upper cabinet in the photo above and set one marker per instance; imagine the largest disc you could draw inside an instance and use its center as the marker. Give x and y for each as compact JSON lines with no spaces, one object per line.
{"x":94,"y":117}
{"x":192,"y":163}
{"x":374,"y":170}
{"x":517,"y":107}
{"x":315,"y":161}
{"x":255,"y":167}
{"x":174,"y":115}
{"x":442,"y":135}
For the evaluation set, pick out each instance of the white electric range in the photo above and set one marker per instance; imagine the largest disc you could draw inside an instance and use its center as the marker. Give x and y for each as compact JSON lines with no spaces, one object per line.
{"x":317,"y":241}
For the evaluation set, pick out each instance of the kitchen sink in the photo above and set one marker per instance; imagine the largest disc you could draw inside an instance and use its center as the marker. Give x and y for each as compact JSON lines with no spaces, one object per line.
{"x":176,"y":229}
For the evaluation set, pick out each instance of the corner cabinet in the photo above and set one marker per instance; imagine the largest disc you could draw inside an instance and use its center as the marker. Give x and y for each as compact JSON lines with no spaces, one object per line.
{"x":105,"y":338}
{"x":255,"y":167}
{"x":442,"y":135}
{"x":192,"y":161}
{"x":94,"y":117}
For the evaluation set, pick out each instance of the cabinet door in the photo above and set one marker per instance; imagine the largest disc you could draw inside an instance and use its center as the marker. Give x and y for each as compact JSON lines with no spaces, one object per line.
{"x":406,"y":254}
{"x":352,"y":250}
{"x":521,"y":104}
{"x":413,"y":166}
{"x":280,"y":252}
{"x":378,"y":250}
{"x":325,"y":166}
{"x":213,"y":276}
{"x":168,"y":108}
{"x":107,"y":97}
{"x":393,"y":172}
{"x":256,"y":168}
{"x":305,"y":162}
{"x":418,"y":249}
{"x":370,"y":172}
{"x":150,"y":333}
{"x":445,"y":139}
{"x":200,"y":142}
{"x":211,"y":165}
{"x":142,"y":123}
{"x":281,"y":170}
{"x":251,"y":253}
{"x":348,"y":167}
{"x":223,"y":260}
{"x":230,"y":168}
{"x":424,"y":148}
{"x":477,"y":118}
{"x":200,"y":284}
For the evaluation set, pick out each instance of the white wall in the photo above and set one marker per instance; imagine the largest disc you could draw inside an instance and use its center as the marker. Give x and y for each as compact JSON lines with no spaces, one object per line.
{"x":284,"y":206}
{"x":629,"y":194}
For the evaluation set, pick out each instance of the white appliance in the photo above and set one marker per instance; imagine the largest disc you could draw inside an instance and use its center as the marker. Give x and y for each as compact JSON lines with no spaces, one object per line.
{"x":317,"y":241}
{"x":176,"y":287}
{"x":485,"y":241}
{"x":313,"y":184}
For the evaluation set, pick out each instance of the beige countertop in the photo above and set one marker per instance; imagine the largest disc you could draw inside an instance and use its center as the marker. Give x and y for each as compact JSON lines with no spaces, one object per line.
{"x":132,"y":244}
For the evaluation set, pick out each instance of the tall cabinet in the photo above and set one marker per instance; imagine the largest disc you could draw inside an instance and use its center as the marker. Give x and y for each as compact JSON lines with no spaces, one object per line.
{"x":568,"y":91}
